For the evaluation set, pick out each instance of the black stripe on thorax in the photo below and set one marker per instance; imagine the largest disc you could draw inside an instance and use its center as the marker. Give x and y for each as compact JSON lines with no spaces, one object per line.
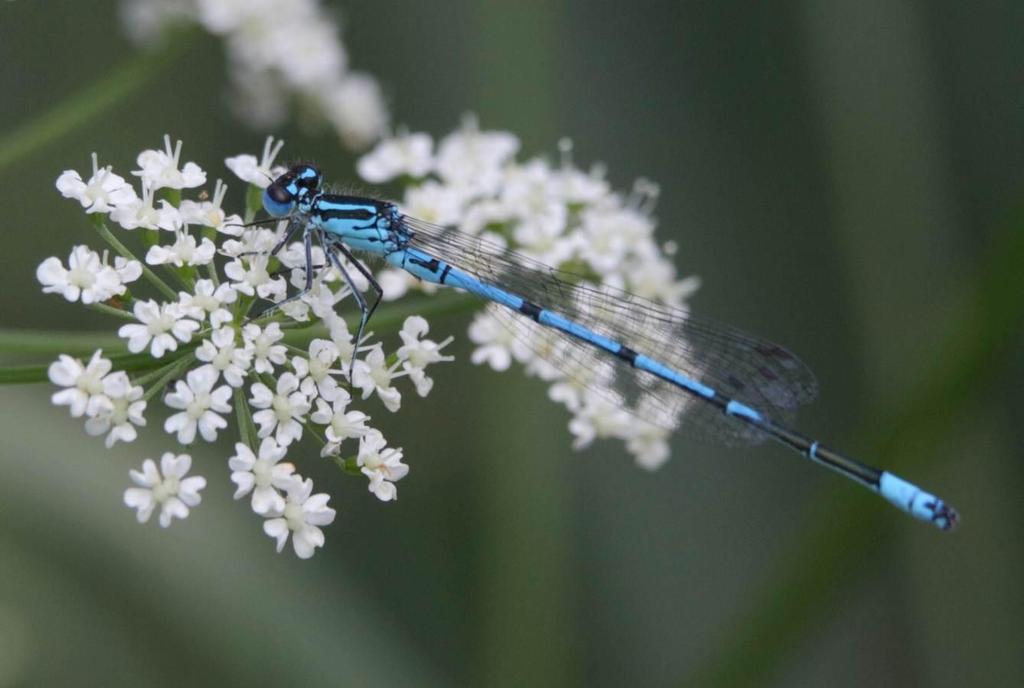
{"x":433,"y":264}
{"x":329,"y":213}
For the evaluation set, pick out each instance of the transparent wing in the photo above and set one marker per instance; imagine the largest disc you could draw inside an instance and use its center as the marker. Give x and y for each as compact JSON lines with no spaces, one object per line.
{"x":756,"y":372}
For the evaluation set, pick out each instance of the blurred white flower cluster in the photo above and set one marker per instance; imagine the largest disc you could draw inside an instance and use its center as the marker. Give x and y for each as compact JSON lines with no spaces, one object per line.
{"x":196,"y":344}
{"x":555,"y":213}
{"x":277,"y":53}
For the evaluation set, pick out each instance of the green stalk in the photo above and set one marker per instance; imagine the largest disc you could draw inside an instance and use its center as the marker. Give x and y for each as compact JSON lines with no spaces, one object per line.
{"x":246,"y":428}
{"x":51,"y":343}
{"x":173,"y":370}
{"x":38,"y":372}
{"x":101,"y":227}
{"x":110,"y":310}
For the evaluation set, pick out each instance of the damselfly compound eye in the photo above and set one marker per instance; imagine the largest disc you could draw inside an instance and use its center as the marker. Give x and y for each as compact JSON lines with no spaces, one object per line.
{"x":278,"y":200}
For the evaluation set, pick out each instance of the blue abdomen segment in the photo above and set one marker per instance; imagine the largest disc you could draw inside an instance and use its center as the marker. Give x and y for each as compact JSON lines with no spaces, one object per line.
{"x":664,"y":372}
{"x":915,"y":501}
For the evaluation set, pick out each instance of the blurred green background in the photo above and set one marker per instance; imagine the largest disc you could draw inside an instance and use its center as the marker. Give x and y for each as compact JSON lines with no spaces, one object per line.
{"x":845,"y":176}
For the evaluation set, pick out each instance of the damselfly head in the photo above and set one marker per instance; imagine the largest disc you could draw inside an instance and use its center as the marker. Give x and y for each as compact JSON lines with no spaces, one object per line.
{"x":300,"y":180}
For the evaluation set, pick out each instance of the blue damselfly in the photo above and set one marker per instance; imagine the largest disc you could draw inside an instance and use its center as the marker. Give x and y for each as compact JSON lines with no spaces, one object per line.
{"x":670,"y":367}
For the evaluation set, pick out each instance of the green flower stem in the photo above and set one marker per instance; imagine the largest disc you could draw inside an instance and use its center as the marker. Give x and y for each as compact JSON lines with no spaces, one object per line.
{"x":311,"y":429}
{"x":211,"y":267}
{"x":246,"y":428}
{"x":38,"y":372}
{"x":90,"y":102}
{"x":349,"y":465}
{"x":297,"y":351}
{"x":101,"y":227}
{"x":171,"y":371}
{"x":110,"y":310}
{"x":51,"y":343}
{"x":269,"y":380}
{"x":172,"y":196}
{"x":253,"y":202}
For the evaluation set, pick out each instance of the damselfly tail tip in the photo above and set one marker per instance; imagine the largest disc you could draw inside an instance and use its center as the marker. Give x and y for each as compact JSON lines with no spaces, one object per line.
{"x":944,"y":516}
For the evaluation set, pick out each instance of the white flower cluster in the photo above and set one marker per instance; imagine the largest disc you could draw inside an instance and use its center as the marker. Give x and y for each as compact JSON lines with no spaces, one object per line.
{"x":555,"y":213}
{"x":290,"y":372}
{"x":277,"y":53}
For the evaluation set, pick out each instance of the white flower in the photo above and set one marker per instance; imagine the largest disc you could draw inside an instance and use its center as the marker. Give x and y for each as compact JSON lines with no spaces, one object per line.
{"x":405,"y":154}
{"x":278,"y":57}
{"x":482,"y":214}
{"x":433,"y":202}
{"x":307,"y":54}
{"x":255,"y":279}
{"x":144,"y":20}
{"x":474,"y":159}
{"x":303,"y":513}
{"x":417,"y":353}
{"x":120,"y":411}
{"x":167,"y":487}
{"x":372,"y":374}
{"x":530,"y":194}
{"x":656,"y":279}
{"x":356,"y":108}
{"x":543,"y":238}
{"x":547,"y":346}
{"x":127,"y":270}
{"x":266,"y":353}
{"x":184,"y":251}
{"x":571,"y":383}
{"x":598,"y":418}
{"x":104,"y":190}
{"x":84,"y":392}
{"x":159,"y":168}
{"x":609,"y":234}
{"x":219,"y":17}
{"x":211,"y":214}
{"x":262,"y":475}
{"x":648,"y":444}
{"x":283,"y":411}
{"x":86,"y":277}
{"x":208,"y":300}
{"x":315,"y":372}
{"x":163,"y":324}
{"x":341,"y":423}
{"x":382,"y":466}
{"x":252,"y":240}
{"x":222,"y":353}
{"x":140,"y":212}
{"x":199,"y":403}
{"x":260,"y":172}
{"x":342,"y":338}
{"x":395,"y":283}
{"x":496,"y":344}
